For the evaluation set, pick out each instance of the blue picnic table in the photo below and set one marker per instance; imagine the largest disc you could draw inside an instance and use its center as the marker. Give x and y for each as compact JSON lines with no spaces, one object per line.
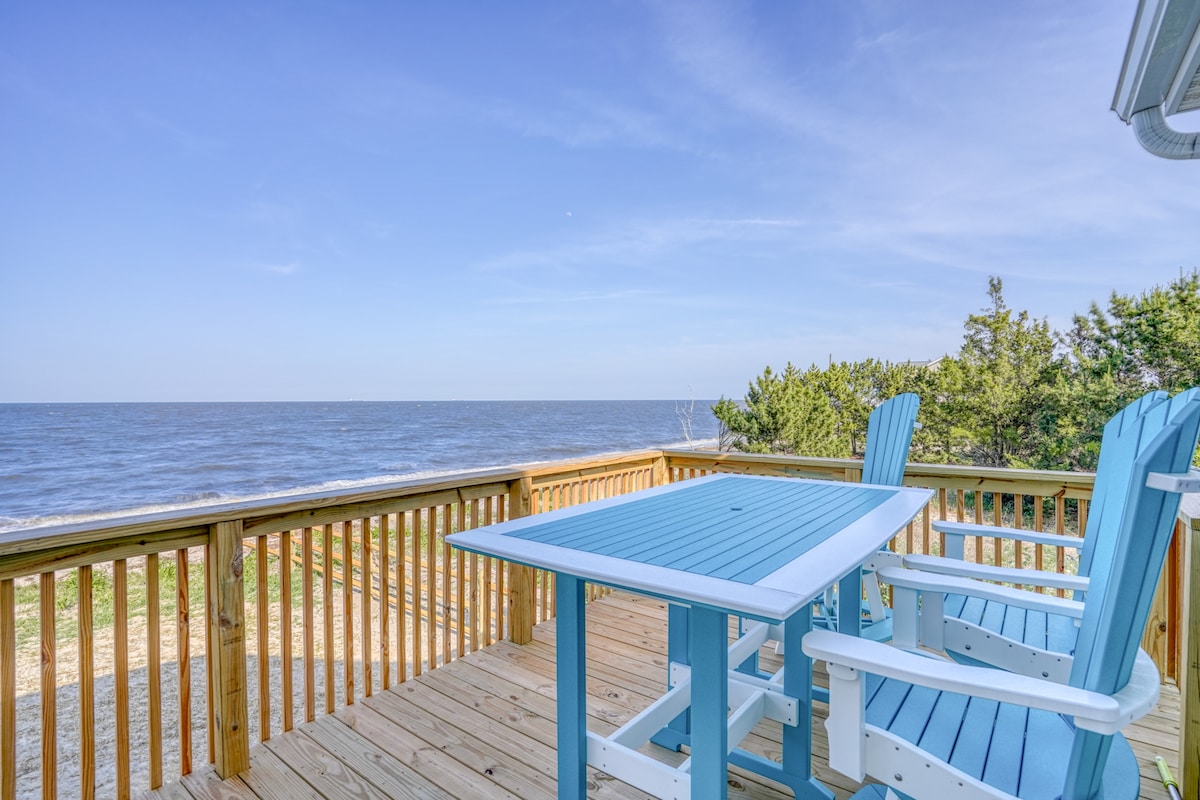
{"x":760,"y":548}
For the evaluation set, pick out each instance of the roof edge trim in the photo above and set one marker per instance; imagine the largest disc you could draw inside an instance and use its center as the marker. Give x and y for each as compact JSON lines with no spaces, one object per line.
{"x":1146,"y":24}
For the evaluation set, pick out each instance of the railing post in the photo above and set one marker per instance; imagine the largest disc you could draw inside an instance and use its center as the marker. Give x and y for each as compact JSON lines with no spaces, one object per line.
{"x":522,"y":594}
{"x":659,"y":476}
{"x":1189,"y":668}
{"x":226,"y":621}
{"x":8,"y":689}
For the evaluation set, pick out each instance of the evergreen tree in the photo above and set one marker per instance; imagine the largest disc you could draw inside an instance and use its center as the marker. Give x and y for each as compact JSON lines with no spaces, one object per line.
{"x":782,"y":413}
{"x":1007,"y":368}
{"x":1141,"y":343}
{"x":1007,"y":399}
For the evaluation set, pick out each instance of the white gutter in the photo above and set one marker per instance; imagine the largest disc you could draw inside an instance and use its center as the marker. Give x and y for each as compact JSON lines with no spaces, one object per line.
{"x":1161,"y":58}
{"x":1154,"y":134}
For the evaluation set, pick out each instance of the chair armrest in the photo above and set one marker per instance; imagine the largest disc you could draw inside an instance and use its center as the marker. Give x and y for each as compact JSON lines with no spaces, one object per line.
{"x":1092,"y":710}
{"x":1184,"y":483}
{"x":1000,"y":532}
{"x":932,"y":582}
{"x":988,"y":572}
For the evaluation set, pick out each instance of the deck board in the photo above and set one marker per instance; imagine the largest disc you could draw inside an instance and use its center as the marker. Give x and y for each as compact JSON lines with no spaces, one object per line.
{"x":484,"y":726}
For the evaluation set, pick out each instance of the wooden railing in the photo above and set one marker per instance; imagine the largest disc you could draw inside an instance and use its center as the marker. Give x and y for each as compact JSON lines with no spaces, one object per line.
{"x":132,"y":650}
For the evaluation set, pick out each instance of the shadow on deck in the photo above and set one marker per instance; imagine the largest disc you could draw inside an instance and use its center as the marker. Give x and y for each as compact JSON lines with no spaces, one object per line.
{"x":484,"y":726}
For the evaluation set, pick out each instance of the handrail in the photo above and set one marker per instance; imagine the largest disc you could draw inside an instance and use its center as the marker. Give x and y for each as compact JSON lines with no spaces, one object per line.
{"x":365,"y":585}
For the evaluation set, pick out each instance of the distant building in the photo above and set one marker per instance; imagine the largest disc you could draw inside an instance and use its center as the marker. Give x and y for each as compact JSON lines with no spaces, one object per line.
{"x":929,"y":365}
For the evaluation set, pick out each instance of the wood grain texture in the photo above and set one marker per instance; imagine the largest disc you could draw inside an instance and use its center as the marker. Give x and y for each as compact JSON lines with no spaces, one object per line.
{"x":327,"y":615}
{"x":484,"y":726}
{"x":226,"y":619}
{"x":121,"y":674}
{"x":263,"y":632}
{"x":285,"y":629}
{"x":401,"y":600}
{"x":385,"y":604}
{"x":87,"y":688}
{"x":310,"y":650}
{"x":1189,"y":673}
{"x":49,"y":687}
{"x":365,"y":594}
{"x":183,"y":658}
{"x":415,"y":593}
{"x":154,"y":671}
{"x":428,"y":588}
{"x":347,"y":577}
{"x":445,"y":586}
{"x":556,"y":485}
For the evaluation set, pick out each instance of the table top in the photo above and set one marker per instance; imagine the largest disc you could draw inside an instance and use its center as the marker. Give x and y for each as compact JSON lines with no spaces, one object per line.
{"x":757,"y":546}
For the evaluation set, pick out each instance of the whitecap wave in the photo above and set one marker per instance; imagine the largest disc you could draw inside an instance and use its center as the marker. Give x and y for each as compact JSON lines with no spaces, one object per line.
{"x":202,"y":500}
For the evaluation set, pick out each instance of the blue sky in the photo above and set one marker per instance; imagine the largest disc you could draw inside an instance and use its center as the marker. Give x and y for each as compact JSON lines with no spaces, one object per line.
{"x":313,"y":200}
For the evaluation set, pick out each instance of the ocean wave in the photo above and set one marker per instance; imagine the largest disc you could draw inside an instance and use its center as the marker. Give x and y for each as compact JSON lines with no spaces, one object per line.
{"x":206,"y":499}
{"x":202,"y":500}
{"x":119,"y":460}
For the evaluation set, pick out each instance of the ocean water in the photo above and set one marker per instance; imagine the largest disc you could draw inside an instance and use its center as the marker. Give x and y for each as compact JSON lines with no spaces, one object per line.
{"x":68,"y":462}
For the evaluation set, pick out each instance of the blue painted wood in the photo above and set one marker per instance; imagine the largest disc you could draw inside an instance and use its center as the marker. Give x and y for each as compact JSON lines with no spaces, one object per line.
{"x":876,"y":791}
{"x":719,"y":522}
{"x":1129,"y":430}
{"x":944,"y":723}
{"x":797,"y":683}
{"x":678,"y":731}
{"x":849,"y":615}
{"x":751,"y":528}
{"x":1037,"y":628}
{"x":571,"y":671}
{"x":1006,"y":749}
{"x":795,"y":769}
{"x":1125,"y":574}
{"x":709,"y":634}
{"x":969,"y":747}
{"x":1000,"y":743}
{"x":889,"y":435}
{"x":1107,"y":471}
{"x":1039,"y":755}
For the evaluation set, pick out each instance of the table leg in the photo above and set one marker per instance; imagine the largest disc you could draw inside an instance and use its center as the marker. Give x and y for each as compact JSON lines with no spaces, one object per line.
{"x":797,"y":682}
{"x":795,"y":769}
{"x":709,"y":633}
{"x":572,"y":687}
{"x":679,"y":729}
{"x":849,"y":605}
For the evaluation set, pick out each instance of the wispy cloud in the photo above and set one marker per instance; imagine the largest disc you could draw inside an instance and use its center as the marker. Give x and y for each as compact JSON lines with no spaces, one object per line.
{"x":589,"y":119}
{"x":279,"y":269}
{"x":643,"y":243}
{"x":187,"y":140}
{"x":718,"y":48}
{"x":563,"y":298}
{"x":20,"y":85}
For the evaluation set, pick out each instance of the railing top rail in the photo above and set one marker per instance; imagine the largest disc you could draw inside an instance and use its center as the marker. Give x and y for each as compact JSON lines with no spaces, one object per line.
{"x":1028,"y":481}
{"x":316,"y":508}
{"x":298,"y":510}
{"x":1189,"y":511}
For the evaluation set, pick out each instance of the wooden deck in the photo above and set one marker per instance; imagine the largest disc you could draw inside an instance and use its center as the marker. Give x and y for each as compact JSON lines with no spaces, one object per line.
{"x":483,"y":726}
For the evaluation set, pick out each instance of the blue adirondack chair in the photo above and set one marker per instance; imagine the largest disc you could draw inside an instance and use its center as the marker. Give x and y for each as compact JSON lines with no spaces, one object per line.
{"x":931,"y":728}
{"x":889,"y":436}
{"x":981,"y":623}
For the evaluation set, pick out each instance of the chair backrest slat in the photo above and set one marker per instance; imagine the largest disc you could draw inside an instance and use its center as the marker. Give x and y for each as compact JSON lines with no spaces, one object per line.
{"x":1111,"y":470}
{"x":889,"y":436}
{"x":1131,"y":545}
